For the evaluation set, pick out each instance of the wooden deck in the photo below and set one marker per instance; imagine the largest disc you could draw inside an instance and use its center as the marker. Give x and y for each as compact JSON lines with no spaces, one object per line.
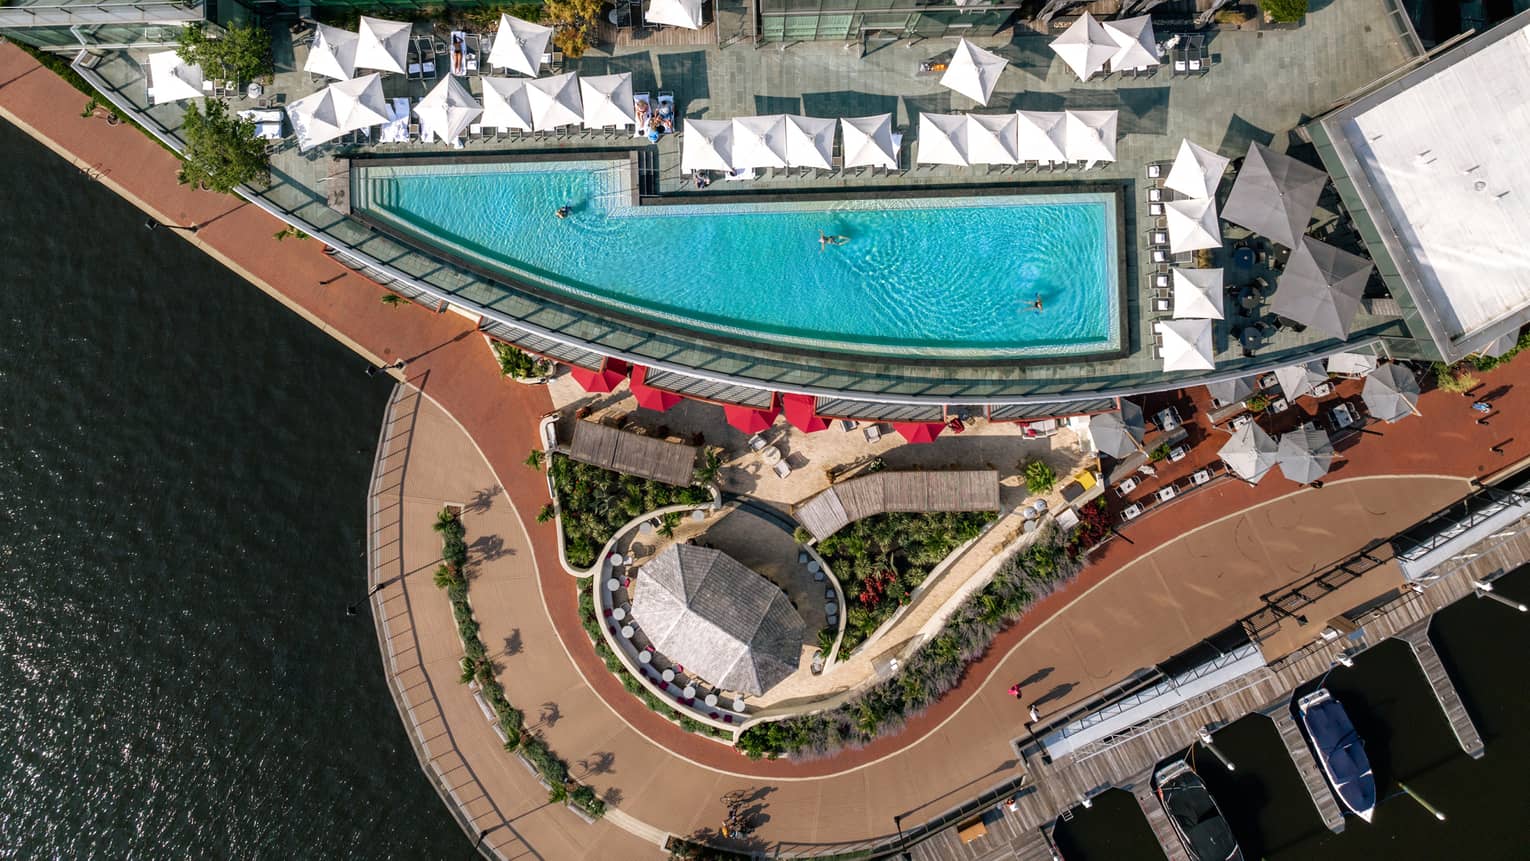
{"x":645,"y":37}
{"x":1163,"y":830}
{"x":1444,"y":689}
{"x":1306,"y":765}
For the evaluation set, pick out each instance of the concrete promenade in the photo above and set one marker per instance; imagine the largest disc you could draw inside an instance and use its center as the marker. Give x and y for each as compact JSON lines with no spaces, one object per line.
{"x":1253,"y":539}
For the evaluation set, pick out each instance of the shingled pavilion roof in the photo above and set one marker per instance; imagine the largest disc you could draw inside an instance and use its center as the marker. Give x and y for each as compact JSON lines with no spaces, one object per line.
{"x":725,"y":623}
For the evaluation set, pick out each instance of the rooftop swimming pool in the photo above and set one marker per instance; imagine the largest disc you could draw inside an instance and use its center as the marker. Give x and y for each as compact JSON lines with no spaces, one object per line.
{"x":937,"y":276}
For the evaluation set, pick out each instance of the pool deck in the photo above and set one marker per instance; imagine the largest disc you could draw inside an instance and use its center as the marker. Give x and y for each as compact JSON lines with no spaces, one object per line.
{"x":1260,"y":87}
{"x":666,"y":777}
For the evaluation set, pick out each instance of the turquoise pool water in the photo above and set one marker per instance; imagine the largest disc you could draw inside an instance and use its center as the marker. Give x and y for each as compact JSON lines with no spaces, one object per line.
{"x":946,"y":276}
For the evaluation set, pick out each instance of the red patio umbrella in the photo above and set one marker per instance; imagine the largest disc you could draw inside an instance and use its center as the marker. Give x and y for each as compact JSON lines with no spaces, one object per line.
{"x":749,"y":419}
{"x":647,"y":396}
{"x":919,"y":431}
{"x":612,"y":372}
{"x":802,"y":412}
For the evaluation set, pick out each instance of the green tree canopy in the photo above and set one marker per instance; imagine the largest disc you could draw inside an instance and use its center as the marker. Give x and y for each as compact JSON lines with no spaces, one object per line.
{"x":243,"y":53}
{"x":1285,"y":11}
{"x":222,"y":151}
{"x":575,"y":22}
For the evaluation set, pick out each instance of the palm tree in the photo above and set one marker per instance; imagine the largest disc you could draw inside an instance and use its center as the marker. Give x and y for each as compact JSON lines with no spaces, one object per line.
{"x":393,"y":300}
{"x":534,"y":459}
{"x":446,"y":521}
{"x":711,"y":463}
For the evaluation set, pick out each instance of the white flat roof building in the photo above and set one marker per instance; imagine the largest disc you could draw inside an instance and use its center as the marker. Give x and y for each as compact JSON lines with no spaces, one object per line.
{"x":1431,"y":165}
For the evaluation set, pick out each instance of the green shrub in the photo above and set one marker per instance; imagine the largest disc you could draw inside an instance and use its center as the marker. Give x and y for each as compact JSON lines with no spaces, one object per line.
{"x":1455,"y":378}
{"x":879,"y":560}
{"x":514,"y":362}
{"x":1159,"y":453}
{"x":596,"y":502}
{"x":1285,"y":11}
{"x":1039,"y":477}
{"x":931,"y":671}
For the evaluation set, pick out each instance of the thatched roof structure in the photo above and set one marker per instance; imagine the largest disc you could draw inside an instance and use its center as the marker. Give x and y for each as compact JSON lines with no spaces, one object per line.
{"x":880,"y":492}
{"x":633,"y":454}
{"x":726,"y":624}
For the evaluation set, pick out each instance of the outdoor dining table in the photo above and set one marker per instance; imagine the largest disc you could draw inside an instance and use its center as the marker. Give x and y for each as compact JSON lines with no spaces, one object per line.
{"x":613,"y":584}
{"x":711,"y":699}
{"x":644,"y":656}
{"x":669,"y":675}
{"x":618,"y":614}
{"x":690,"y":691}
{"x":1249,"y":337}
{"x":738,"y":705}
{"x":627,"y":632}
{"x":616,"y":559}
{"x":829,"y":608}
{"x":813,"y":567}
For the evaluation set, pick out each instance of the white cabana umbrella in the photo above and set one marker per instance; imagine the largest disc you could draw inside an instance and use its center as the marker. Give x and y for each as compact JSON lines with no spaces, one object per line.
{"x":519,"y":45}
{"x":759,"y":141}
{"x":554,"y":101}
{"x":1193,"y":224}
{"x":333,"y":53}
{"x":383,"y":45}
{"x":943,"y":139}
{"x":676,"y":13}
{"x":607,"y":100}
{"x":1226,"y":392}
{"x":1090,"y":135}
{"x":1085,"y":46}
{"x":706,"y":145}
{"x":1298,"y":380}
{"x":1197,"y":171}
{"x":973,"y":72}
{"x":1352,"y":364}
{"x":1305,"y":454}
{"x":810,"y":142}
{"x":1043,"y":136}
{"x":1198,"y":294}
{"x":993,"y":138}
{"x":172,"y":79}
{"x":1186,"y":345}
{"x":1391,"y":393}
{"x":505,"y":104}
{"x":1136,"y":46}
{"x":868,"y":141}
{"x":338,"y":108}
{"x":447,"y":110}
{"x":1250,"y":453}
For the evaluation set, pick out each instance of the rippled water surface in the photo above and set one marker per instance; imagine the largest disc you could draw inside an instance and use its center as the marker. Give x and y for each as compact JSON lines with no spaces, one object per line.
{"x":181,"y":520}
{"x":937,"y":274}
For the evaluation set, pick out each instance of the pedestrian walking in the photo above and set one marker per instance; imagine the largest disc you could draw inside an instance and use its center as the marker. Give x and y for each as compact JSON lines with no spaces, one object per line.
{"x":399,"y":365}
{"x":1482,"y":406}
{"x":1035,"y":715}
{"x":1014,"y":691}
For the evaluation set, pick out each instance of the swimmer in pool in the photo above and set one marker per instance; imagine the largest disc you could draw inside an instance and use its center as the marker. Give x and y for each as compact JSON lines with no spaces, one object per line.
{"x":1036,"y":305}
{"x":824,"y":240}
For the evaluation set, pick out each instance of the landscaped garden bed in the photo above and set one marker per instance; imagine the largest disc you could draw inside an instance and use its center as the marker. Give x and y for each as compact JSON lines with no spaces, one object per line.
{"x":931,"y":671}
{"x":880,"y":560}
{"x":593,"y":503}
{"x":477,"y":667}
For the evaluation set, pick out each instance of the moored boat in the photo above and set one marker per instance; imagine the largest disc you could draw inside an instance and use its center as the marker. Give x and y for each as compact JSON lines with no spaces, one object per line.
{"x":1339,"y":750}
{"x":1194,"y":814}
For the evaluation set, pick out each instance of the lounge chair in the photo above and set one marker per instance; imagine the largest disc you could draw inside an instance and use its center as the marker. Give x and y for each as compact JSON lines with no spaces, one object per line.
{"x":873,"y":432}
{"x":643,"y":109}
{"x":666,"y":112}
{"x":782,"y":469}
{"x":756,"y":443}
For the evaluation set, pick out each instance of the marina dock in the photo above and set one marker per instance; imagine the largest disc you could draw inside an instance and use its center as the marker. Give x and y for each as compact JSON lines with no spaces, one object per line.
{"x":1158,"y":820}
{"x":1306,"y":765}
{"x":1417,"y":638}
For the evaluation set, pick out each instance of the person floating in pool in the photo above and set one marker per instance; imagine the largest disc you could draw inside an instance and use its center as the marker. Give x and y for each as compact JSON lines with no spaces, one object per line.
{"x":564,"y":211}
{"x":824,"y":240}
{"x":1035,"y":305}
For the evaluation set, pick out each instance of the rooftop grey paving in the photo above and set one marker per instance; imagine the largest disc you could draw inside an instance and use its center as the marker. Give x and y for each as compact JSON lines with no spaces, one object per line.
{"x":1259,"y":88}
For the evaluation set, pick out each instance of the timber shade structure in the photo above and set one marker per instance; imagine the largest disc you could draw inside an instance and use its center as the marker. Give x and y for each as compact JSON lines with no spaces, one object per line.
{"x":882,"y":492}
{"x":728,"y":625}
{"x":609,"y":448}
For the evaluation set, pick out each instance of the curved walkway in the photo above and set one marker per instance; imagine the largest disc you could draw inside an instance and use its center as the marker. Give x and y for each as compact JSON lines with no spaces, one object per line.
{"x":672,"y":780}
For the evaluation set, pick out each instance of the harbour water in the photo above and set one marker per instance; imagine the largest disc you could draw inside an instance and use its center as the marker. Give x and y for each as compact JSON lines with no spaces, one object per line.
{"x":181,"y":521}
{"x":184,"y":469}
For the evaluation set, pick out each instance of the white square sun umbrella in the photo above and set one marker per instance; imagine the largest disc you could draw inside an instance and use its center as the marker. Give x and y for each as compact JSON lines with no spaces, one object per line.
{"x":505,"y":104}
{"x":338,"y":108}
{"x":1043,"y":136}
{"x":1250,"y":453}
{"x":1193,"y":225}
{"x":447,"y":110}
{"x":1136,"y":46}
{"x":608,"y":100}
{"x":993,"y":138}
{"x":973,"y":72}
{"x":943,"y":139}
{"x":554,"y":101}
{"x":1090,"y":135}
{"x":759,"y":141}
{"x":519,"y":45}
{"x":333,"y":53}
{"x":1197,"y":171}
{"x":868,"y":141}
{"x":1298,"y":380}
{"x":172,"y":79}
{"x":706,"y":145}
{"x":383,"y":45}
{"x":1186,"y":345}
{"x":1198,"y":294}
{"x":1085,"y":46}
{"x":676,"y":13}
{"x":810,"y":142}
